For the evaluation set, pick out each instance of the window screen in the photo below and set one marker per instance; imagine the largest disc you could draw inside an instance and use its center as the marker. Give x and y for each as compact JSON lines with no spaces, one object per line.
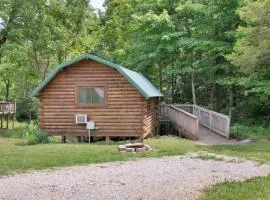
{"x":91,"y":95}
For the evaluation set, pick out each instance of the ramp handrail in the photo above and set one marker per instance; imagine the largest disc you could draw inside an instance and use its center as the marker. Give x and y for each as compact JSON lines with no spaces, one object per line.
{"x":188,"y":123}
{"x":215,"y":121}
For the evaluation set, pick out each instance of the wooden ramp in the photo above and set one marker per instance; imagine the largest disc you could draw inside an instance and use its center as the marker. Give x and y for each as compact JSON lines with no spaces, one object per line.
{"x":208,"y":137}
{"x":197,"y":123}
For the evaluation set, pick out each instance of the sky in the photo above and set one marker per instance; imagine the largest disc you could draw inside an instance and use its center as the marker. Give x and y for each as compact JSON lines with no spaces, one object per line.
{"x":97,"y":3}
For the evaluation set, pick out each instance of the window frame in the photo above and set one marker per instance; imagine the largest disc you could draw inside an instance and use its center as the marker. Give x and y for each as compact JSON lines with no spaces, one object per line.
{"x":77,"y":93}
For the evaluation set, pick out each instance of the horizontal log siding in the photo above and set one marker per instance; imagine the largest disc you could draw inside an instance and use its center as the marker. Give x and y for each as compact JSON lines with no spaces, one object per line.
{"x":150,"y":116}
{"x":121,"y":116}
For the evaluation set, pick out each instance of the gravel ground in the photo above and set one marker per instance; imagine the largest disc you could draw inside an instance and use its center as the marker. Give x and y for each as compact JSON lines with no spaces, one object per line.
{"x":178,"y":177}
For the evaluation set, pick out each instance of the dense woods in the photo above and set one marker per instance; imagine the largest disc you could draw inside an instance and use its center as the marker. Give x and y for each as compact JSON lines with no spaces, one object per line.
{"x":207,"y":52}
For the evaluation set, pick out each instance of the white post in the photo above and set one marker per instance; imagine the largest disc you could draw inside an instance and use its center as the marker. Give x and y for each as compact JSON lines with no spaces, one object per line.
{"x":199,"y":114}
{"x":228,"y":127}
{"x":210,"y":120}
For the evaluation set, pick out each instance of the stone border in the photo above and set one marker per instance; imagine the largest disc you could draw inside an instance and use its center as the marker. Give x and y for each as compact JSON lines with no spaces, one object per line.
{"x":136,"y":147}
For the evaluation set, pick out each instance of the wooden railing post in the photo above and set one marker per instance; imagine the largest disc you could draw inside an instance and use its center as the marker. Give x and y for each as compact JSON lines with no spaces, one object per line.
{"x":228,"y":127}
{"x":210,"y":120}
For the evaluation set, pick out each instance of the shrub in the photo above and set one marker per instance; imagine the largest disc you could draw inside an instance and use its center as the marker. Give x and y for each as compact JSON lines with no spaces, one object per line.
{"x":34,"y":135}
{"x":239,"y":131}
{"x":26,"y":110}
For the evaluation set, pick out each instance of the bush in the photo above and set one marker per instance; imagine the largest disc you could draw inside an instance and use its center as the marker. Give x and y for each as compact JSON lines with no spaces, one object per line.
{"x":27,"y":110}
{"x":239,"y":131}
{"x":34,"y":135}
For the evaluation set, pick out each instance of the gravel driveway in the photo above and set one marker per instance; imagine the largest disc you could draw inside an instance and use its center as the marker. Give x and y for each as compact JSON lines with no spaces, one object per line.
{"x":178,"y":177}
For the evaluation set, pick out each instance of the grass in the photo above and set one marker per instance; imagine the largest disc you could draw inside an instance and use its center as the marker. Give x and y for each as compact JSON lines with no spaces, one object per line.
{"x":204,"y":156}
{"x":258,"y":151}
{"x":256,"y":188}
{"x":15,"y":157}
{"x":16,"y":132}
{"x":254,"y":132}
{"x":18,"y":158}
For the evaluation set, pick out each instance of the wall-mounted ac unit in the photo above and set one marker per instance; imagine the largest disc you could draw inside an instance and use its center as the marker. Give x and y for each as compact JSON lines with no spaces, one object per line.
{"x":81,"y":119}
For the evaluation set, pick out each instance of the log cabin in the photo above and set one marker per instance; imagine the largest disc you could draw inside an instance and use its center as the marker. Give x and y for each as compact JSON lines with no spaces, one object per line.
{"x":118,"y":101}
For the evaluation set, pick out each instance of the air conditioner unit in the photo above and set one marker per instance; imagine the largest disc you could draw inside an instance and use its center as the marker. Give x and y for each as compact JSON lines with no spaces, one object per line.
{"x":81,"y":119}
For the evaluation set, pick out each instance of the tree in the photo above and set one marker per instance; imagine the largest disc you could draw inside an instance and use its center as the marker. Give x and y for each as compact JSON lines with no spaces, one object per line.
{"x":252,"y":50}
{"x":35,"y":36}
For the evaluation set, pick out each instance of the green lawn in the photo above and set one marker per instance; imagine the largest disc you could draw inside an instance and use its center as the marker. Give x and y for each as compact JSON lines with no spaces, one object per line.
{"x":259,"y":150}
{"x":253,"y":189}
{"x":15,"y":158}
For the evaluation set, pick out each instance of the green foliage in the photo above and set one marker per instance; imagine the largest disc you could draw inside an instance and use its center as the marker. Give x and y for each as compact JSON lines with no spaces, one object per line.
{"x":251,"y":52}
{"x":34,"y":135}
{"x":256,"y":188}
{"x":35,"y":36}
{"x":210,"y":51}
{"x":239,"y":131}
{"x":26,"y":109}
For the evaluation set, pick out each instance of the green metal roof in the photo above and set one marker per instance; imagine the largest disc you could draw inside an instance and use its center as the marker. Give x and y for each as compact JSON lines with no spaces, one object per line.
{"x":145,"y":87}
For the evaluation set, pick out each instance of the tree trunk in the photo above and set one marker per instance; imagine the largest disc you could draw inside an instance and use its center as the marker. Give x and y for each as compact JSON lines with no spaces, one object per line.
{"x":212,"y":97}
{"x":173,"y":87}
{"x":7,"y":85}
{"x":46,"y":68}
{"x":193,"y":88}
{"x":230,"y":95}
{"x":173,"y":77}
{"x":160,"y":78}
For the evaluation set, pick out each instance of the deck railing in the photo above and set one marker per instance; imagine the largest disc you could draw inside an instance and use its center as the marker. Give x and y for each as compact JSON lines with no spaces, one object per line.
{"x":7,"y":108}
{"x":216,"y":122}
{"x":185,"y":122}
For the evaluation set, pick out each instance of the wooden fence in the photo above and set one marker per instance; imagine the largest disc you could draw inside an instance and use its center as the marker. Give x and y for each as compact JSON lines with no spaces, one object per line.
{"x":7,"y":108}
{"x":183,"y":121}
{"x":216,"y":122}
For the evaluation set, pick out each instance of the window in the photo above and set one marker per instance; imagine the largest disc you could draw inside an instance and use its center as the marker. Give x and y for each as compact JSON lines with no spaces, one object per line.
{"x":91,"y":95}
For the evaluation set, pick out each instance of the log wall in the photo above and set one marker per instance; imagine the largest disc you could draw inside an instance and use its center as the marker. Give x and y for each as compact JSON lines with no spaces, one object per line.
{"x":150,"y":108}
{"x":122,"y":115}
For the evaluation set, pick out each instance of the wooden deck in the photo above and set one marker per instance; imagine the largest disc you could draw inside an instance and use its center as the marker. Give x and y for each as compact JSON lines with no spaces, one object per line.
{"x":197,"y":123}
{"x":7,"y":111}
{"x":7,"y":108}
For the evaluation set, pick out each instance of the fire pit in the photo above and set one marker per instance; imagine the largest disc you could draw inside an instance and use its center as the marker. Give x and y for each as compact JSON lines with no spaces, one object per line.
{"x":136,"y":147}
